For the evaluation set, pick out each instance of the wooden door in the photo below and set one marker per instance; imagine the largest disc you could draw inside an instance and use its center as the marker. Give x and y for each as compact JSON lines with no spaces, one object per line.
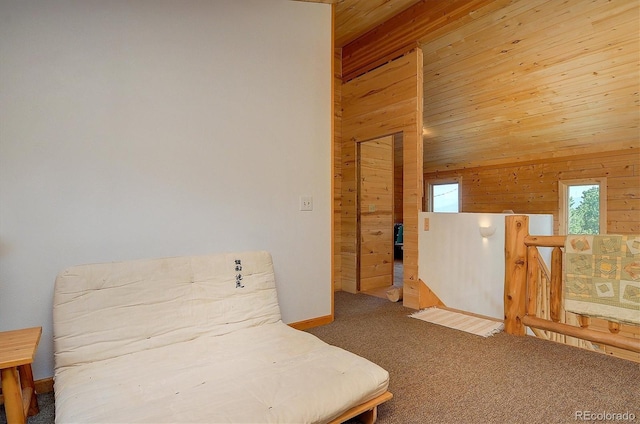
{"x":375,"y":213}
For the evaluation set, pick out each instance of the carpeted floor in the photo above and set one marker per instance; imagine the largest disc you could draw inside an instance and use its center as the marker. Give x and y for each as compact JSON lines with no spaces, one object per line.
{"x":439,"y":375}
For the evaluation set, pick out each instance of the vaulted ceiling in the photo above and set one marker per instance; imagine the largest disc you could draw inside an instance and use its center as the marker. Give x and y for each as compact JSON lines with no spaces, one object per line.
{"x":507,"y":81}
{"x":356,"y":17}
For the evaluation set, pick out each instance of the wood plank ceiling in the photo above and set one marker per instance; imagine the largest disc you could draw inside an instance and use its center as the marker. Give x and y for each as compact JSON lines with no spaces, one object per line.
{"x":356,"y":17}
{"x":511,"y":81}
{"x":532,"y":80}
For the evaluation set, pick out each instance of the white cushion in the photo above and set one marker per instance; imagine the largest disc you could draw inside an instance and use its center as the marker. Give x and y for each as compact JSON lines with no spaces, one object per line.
{"x":107,"y":310}
{"x":194,"y":340}
{"x":267,"y":374}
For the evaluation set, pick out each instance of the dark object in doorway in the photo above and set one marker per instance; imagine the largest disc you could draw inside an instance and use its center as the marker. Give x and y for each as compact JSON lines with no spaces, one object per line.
{"x":397,"y":240}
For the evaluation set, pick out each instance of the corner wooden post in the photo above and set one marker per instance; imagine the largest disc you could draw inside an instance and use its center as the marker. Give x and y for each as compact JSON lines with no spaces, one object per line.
{"x":515,"y":273}
{"x":533,"y":280}
{"x":556,"y":285}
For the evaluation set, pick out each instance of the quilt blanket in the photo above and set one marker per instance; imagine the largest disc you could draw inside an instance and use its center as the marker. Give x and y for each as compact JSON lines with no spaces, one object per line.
{"x":602,"y":276}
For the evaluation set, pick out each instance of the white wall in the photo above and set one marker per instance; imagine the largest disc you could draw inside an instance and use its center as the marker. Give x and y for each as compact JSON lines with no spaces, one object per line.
{"x":465,"y":270}
{"x":150,"y":128}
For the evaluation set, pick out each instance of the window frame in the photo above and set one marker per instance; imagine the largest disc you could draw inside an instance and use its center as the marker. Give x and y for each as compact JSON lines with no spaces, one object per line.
{"x":563,"y":204}
{"x":428,"y":198}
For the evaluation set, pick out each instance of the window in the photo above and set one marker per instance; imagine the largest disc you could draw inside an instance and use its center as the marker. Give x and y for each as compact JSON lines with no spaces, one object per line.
{"x":583,"y":206}
{"x":443,"y":196}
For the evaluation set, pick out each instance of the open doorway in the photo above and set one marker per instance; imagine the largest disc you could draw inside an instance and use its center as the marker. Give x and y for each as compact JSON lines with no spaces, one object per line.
{"x":380,"y":211}
{"x":386,"y":100}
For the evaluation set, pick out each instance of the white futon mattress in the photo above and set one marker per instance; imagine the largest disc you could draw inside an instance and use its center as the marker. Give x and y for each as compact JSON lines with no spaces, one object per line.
{"x":293,"y":377}
{"x":194,"y":340}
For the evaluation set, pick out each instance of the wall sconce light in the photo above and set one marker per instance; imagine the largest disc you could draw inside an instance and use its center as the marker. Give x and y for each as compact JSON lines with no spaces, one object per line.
{"x":488,"y":231}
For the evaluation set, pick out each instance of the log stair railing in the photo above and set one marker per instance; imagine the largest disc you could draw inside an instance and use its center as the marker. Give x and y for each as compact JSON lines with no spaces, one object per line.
{"x":533,"y":294}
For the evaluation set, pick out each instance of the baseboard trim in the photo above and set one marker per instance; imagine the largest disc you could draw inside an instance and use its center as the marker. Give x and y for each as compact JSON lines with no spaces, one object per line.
{"x":313,"y":322}
{"x":44,"y":386}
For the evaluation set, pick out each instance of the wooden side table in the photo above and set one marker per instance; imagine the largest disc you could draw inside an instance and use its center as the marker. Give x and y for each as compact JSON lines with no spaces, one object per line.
{"x":17,"y":350}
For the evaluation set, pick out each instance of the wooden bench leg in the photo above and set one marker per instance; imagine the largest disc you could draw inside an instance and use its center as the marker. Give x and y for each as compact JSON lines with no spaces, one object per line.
{"x":370,"y":416}
{"x":12,"y":396}
{"x":26,"y":381}
{"x":19,"y":393}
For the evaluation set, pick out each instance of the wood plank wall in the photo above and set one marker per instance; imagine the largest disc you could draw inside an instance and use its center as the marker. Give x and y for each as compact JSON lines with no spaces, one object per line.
{"x":570,"y":75}
{"x":337,"y":168}
{"x":530,"y":93}
{"x":582,"y":106}
{"x":532,"y":187}
{"x":382,"y":102}
{"x":397,"y":178}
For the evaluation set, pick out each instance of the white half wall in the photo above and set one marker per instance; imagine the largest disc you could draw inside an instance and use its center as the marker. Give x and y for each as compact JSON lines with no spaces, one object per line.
{"x":154,"y":128}
{"x":464,"y":269}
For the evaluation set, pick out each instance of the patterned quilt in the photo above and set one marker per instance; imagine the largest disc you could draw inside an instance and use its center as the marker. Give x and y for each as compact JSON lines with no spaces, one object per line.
{"x":602,"y":276}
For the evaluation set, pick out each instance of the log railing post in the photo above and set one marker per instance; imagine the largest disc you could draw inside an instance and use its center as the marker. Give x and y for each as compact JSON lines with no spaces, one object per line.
{"x":515,"y":273}
{"x":556,"y":284}
{"x":584,"y":321}
{"x":533,"y":278}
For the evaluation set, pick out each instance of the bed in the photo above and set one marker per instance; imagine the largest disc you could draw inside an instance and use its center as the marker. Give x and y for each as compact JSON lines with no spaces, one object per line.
{"x":200,"y":340}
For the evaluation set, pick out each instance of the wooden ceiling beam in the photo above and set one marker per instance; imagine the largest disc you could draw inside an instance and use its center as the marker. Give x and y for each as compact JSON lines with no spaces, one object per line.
{"x":402,"y":33}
